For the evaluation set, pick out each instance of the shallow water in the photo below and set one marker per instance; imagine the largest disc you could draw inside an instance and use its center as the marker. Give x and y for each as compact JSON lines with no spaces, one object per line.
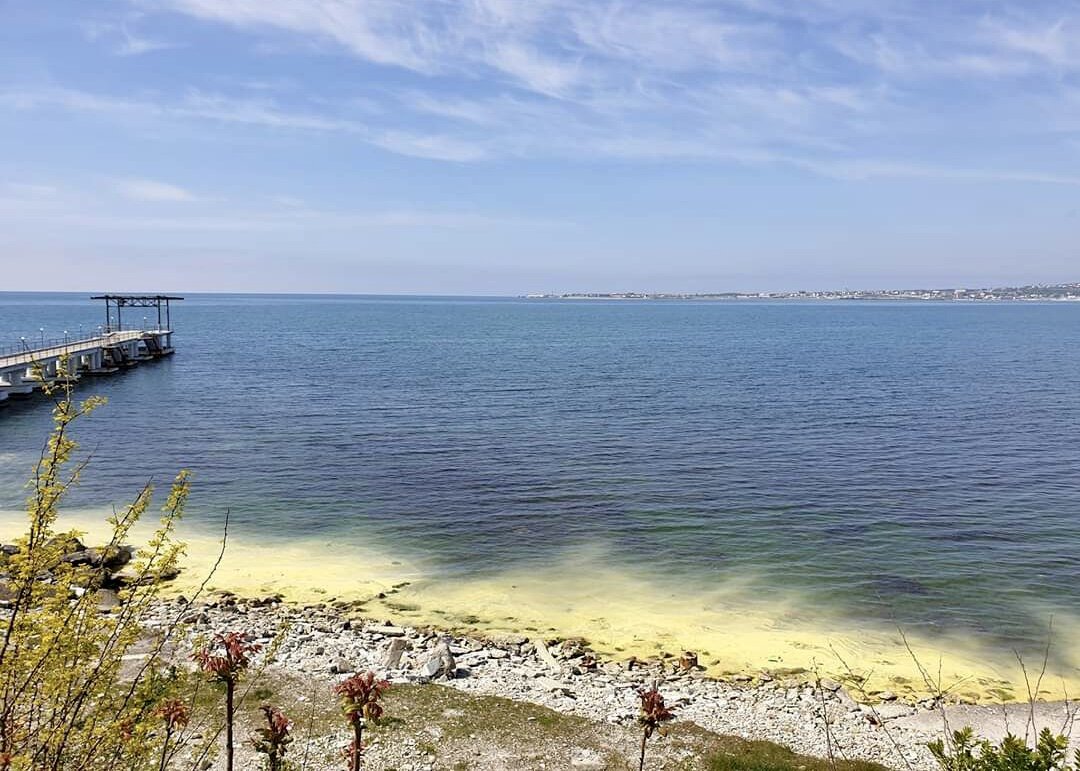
{"x":756,"y":479}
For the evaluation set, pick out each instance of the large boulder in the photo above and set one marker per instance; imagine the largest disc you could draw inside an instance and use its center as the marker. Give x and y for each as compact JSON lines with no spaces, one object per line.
{"x":107,"y":599}
{"x":114,"y":557}
{"x":439,"y":663}
{"x":83,"y":557}
{"x":394,"y":651}
{"x":66,"y":543}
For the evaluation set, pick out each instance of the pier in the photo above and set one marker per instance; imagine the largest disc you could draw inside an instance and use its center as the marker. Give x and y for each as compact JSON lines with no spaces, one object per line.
{"x":26,"y":367}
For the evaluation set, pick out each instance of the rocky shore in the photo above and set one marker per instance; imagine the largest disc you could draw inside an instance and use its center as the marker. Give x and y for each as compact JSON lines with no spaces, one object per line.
{"x":317,"y":645}
{"x":324,"y":643}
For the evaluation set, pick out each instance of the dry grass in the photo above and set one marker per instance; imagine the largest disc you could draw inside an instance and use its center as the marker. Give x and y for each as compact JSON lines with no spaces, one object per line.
{"x":446,"y":729}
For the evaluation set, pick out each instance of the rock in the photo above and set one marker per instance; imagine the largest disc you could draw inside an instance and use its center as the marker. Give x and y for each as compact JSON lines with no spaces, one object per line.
{"x":7,"y":594}
{"x":431,"y":668}
{"x":588,"y":663}
{"x":830,"y":685}
{"x":688,"y":661}
{"x":887,"y":696}
{"x":893,"y":710}
{"x":545,"y":656}
{"x":846,"y":701}
{"x":472,"y":659}
{"x":507,"y":639}
{"x":118,"y":557}
{"x":9,"y":549}
{"x":113,"y":557}
{"x":439,"y":663}
{"x":497,"y":653}
{"x":554,"y":686}
{"x":107,"y":599}
{"x":66,"y":543}
{"x":341,"y":667}
{"x":84,"y":557}
{"x":392,"y":658}
{"x":130,"y":576}
{"x":587,"y":759}
{"x":387,"y":631}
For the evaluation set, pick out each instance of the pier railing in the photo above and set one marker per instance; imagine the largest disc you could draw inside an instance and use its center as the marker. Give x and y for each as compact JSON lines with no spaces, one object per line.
{"x":39,"y":344}
{"x":29,"y":351}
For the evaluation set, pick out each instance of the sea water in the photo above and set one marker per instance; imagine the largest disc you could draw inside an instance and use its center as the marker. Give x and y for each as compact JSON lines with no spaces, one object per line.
{"x":780,"y":484}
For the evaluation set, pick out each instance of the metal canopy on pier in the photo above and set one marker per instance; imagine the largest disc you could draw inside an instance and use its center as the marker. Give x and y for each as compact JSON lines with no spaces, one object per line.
{"x":134,"y":301}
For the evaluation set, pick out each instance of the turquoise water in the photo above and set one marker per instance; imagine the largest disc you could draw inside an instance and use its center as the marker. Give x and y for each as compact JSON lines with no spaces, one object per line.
{"x":909,"y":463}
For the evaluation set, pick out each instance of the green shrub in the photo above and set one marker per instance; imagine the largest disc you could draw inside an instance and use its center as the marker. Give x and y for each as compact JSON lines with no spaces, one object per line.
{"x":65,"y":702}
{"x":965,"y":753}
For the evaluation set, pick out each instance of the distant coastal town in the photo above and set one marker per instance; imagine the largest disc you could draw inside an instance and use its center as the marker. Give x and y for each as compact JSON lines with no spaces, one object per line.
{"x":1031,"y":292}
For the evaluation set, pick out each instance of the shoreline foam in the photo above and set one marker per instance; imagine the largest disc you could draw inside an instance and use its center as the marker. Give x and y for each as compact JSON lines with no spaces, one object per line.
{"x":620,"y":615}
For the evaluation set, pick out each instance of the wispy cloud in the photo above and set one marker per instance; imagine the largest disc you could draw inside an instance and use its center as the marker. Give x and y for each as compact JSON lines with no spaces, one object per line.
{"x":183,"y":212}
{"x":377,"y":30}
{"x":122,"y":39}
{"x":867,"y":169}
{"x":152,"y":191}
{"x":825,"y":84}
{"x":747,"y":126}
{"x":1054,"y":42}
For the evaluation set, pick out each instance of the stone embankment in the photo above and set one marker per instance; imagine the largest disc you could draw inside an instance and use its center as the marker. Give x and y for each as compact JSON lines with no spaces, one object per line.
{"x":104,"y":570}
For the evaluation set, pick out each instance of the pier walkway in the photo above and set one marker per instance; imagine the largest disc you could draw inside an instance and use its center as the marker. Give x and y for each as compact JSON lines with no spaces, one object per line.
{"x":24,"y":369}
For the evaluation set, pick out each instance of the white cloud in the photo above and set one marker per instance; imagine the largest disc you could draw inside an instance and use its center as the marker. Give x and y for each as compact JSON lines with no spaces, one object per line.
{"x":256,"y":113}
{"x":830,"y":83}
{"x":83,"y":210}
{"x":864,"y":169}
{"x":434,"y":147}
{"x":133,"y":45}
{"x":538,"y":73}
{"x":153,"y":191}
{"x":1057,"y":43}
{"x":377,"y":30}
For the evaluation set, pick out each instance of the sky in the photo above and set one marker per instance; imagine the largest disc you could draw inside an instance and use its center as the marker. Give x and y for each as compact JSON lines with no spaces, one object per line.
{"x":516,"y":146}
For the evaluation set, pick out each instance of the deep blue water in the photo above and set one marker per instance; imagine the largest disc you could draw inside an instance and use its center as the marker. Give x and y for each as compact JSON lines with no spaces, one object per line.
{"x":917,"y":462}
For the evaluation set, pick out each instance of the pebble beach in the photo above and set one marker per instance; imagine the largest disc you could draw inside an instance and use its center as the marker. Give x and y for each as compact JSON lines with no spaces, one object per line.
{"x":322,"y":644}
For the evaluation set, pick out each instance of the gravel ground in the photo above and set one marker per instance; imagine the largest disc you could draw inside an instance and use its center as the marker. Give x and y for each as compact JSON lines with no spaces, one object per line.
{"x":317,"y":646}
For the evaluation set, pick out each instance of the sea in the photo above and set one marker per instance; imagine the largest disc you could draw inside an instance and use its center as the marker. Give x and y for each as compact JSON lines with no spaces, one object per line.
{"x":780,"y":484}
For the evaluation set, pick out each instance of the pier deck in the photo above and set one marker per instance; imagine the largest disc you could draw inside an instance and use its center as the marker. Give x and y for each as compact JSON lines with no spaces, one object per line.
{"x":25,"y":369}
{"x":55,"y":349}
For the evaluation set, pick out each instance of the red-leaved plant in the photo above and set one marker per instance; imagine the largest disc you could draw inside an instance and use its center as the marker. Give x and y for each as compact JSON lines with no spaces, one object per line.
{"x":226,"y":659}
{"x":360,"y":703}
{"x":175,"y":715}
{"x":273,"y":740}
{"x":651,"y":717}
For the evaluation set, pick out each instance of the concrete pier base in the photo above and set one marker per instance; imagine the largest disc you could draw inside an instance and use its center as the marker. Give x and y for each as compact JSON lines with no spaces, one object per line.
{"x":22,"y":372}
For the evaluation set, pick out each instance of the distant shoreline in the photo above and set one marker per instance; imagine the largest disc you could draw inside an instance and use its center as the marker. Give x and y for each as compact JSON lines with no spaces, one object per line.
{"x":1054,"y":292}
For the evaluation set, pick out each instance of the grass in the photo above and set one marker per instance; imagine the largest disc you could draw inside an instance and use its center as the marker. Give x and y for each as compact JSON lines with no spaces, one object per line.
{"x":732,"y":754}
{"x":458,"y":731}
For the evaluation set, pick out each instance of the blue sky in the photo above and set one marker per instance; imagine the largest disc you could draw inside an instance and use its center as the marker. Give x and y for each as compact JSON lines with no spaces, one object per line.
{"x":506,"y":146}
